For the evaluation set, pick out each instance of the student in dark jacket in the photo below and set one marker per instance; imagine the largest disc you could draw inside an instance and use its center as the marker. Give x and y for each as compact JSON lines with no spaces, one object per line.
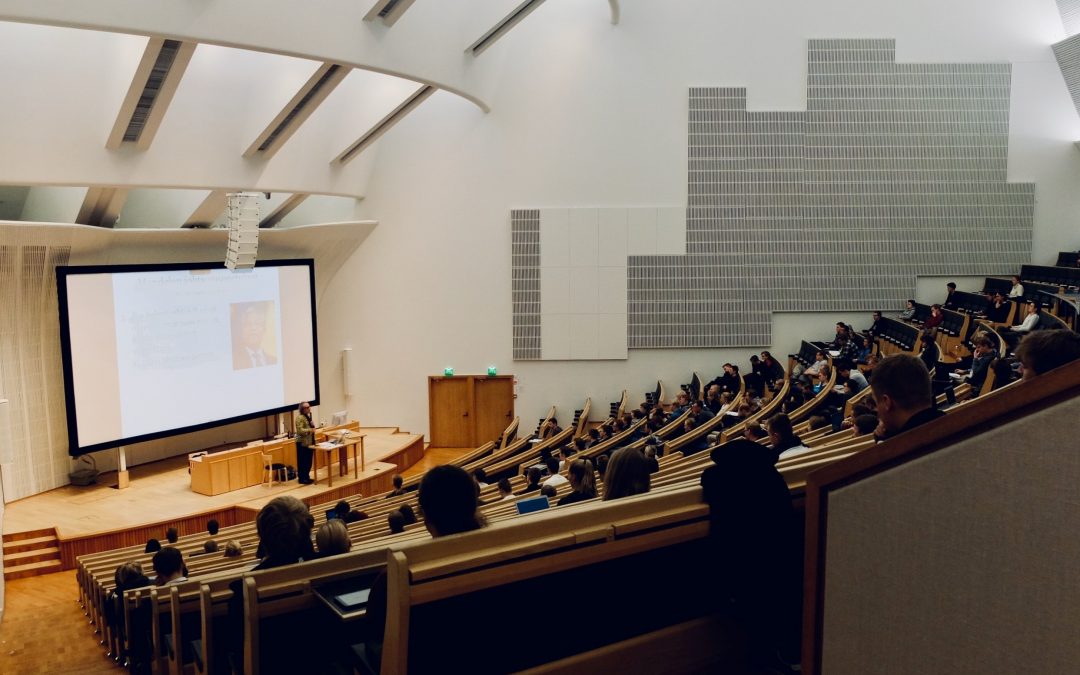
{"x":930,"y":352}
{"x":903,"y":394}
{"x":729,"y":381}
{"x":533,"y":475}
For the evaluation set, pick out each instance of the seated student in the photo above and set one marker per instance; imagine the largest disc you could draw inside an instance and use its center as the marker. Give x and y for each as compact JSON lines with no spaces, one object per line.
{"x":555,"y":479}
{"x":548,"y":491}
{"x":481,"y":478}
{"x":696,"y":445}
{"x":744,"y":411}
{"x":128,"y":576}
{"x":821,"y":362}
{"x":935,"y":318}
{"x":582,"y":482}
{"x":398,"y":489}
{"x":172,"y":535}
{"x":332,"y":538}
{"x":408,"y":514}
{"x":1046,"y":350}
{"x":1031,"y":322}
{"x":980,"y":362}
{"x":864,"y":425}
{"x":210,"y":546}
{"x":998,"y":309}
{"x":152,"y":546}
{"x":817,"y":422}
{"x":1017,"y":290}
{"x":756,"y":552}
{"x":505,"y":491}
{"x":396,"y":522}
{"x":169,"y":565}
{"x":533,"y":475}
{"x":682,"y":404}
{"x":950,"y":294}
{"x":713,"y":399}
{"x":772,"y":370}
{"x":700,"y":413}
{"x":212,"y":527}
{"x":729,"y":381}
{"x":448,"y":502}
{"x":755,"y":432}
{"x":650,"y":454}
{"x":930,"y":352}
{"x":627,"y":474}
{"x":909,"y":311}
{"x":549,"y":429}
{"x":903,"y":394}
{"x":233,"y":549}
{"x":655,"y":443}
{"x":782,"y":438}
{"x":846,"y":371}
{"x":601,"y":465}
{"x":594,"y":437}
{"x":821,"y":379}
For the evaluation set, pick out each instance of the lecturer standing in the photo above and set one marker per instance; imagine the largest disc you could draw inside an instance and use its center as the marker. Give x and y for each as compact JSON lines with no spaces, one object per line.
{"x":305,"y":439}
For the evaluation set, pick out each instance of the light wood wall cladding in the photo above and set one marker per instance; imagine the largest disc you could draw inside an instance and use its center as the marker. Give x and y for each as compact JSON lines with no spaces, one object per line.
{"x":469,"y":410}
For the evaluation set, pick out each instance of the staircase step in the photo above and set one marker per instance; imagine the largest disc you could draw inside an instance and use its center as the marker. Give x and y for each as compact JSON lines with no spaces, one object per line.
{"x":20,"y":545}
{"x":31,"y":569}
{"x":35,"y":555}
{"x":29,"y":534}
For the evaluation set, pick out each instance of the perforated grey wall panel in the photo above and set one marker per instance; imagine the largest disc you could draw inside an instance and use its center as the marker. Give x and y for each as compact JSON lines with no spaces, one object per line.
{"x":1067,"y":53}
{"x":525,"y":282}
{"x":1070,"y":15}
{"x":895,"y":170}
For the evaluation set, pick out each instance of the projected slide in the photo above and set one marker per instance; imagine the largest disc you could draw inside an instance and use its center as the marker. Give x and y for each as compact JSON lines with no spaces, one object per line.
{"x":156,"y":351}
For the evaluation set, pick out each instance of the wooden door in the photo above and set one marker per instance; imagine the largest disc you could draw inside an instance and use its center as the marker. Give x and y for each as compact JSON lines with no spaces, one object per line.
{"x":449,"y":406}
{"x":494,"y":397}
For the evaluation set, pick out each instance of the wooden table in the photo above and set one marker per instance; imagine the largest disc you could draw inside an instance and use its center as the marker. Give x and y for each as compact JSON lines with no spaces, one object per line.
{"x":352,"y":440}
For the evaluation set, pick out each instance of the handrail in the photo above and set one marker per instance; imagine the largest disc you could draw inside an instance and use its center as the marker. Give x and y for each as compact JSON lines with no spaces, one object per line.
{"x":983,"y":414}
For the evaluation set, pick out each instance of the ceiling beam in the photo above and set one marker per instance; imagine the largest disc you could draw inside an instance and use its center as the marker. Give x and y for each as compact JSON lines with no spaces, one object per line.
{"x":208,"y":211}
{"x":503,"y":27}
{"x":283,"y":209}
{"x":101,"y":206}
{"x":152,"y":88}
{"x":386,"y":123}
{"x":388,"y":10}
{"x":325,"y":79}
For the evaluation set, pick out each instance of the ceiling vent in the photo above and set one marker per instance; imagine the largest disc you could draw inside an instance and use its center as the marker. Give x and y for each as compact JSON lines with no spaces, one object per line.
{"x":389,"y":11}
{"x":296,"y":111}
{"x":384,"y":125}
{"x":503,"y":27}
{"x":152,"y":88}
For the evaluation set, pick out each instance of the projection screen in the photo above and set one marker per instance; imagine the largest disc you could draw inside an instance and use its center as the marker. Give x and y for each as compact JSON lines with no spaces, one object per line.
{"x":156,"y":350}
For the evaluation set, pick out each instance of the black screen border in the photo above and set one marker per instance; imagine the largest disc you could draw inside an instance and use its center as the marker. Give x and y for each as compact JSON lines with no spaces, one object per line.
{"x":64,"y":271}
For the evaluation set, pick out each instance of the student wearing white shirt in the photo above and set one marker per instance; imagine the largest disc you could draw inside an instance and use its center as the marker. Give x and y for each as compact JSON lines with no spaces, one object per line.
{"x":556,"y":479}
{"x":1017,"y":288}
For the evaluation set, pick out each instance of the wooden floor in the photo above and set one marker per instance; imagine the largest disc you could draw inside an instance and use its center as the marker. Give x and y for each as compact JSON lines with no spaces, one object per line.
{"x":161,"y":491}
{"x":44,"y":629}
{"x":434,"y":457}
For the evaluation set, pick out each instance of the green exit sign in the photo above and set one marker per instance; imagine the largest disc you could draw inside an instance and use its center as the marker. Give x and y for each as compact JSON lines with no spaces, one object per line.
{"x":492,"y":371}
{"x":448,"y":371}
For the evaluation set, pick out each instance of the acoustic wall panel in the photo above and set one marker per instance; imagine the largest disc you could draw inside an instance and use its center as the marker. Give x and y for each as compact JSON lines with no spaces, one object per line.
{"x":1067,"y":53}
{"x":893,"y":171}
{"x":1070,"y":15}
{"x":525,"y":284}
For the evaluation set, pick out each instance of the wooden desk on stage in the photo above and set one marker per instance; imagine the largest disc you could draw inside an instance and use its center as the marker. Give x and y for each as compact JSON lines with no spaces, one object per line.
{"x":326,"y":449}
{"x":237,"y":468}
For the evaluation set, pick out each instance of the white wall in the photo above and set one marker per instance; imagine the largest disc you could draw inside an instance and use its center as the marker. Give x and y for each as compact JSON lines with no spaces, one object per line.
{"x":590,"y":115}
{"x":50,"y":204}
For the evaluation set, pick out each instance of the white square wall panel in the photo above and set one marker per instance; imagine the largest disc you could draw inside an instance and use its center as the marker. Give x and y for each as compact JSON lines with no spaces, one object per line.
{"x":555,"y":336}
{"x":583,"y":295}
{"x":611,"y":290}
{"x":583,"y":336}
{"x":554,"y":290}
{"x":613,"y":238}
{"x":671,"y":230}
{"x":641,"y":231}
{"x":584,"y":237}
{"x":554,"y":237}
{"x":611,"y":336}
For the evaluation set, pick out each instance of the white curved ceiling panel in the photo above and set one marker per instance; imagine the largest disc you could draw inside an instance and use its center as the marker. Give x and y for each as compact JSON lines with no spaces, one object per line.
{"x":425,"y":45}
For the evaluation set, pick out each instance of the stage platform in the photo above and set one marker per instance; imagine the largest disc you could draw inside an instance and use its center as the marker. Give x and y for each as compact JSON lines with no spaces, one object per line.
{"x":100,"y":517}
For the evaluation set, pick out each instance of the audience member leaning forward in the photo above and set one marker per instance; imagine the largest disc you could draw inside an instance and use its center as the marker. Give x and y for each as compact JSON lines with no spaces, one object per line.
{"x":904,"y":396}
